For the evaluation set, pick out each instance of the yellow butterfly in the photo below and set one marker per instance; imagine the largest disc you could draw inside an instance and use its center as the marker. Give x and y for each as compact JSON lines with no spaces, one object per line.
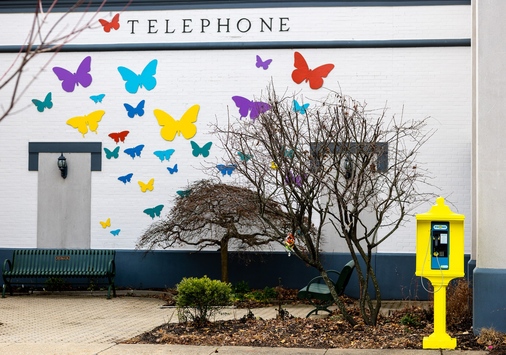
{"x":184,"y":126}
{"x":274,"y":166}
{"x":82,"y":123}
{"x":149,"y":186}
{"x":106,"y":223}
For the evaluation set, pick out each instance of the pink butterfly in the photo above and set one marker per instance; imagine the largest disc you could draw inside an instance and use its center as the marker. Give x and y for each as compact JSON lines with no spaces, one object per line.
{"x":70,"y":80}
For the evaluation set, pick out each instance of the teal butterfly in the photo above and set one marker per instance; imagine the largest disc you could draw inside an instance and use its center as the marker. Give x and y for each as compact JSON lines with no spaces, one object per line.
{"x":244,"y":157}
{"x":300,"y":108}
{"x":204,"y":150}
{"x":289,"y":153}
{"x":155,"y":211}
{"x":115,"y":232}
{"x":135,"y":81}
{"x":97,"y":98}
{"x":164,"y":154}
{"x":42,"y":105}
{"x":111,"y":153}
{"x":183,"y":193}
{"x":173,"y":169}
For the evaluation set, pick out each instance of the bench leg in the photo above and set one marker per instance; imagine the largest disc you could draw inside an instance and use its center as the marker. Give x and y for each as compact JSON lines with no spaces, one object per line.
{"x":315,"y":311}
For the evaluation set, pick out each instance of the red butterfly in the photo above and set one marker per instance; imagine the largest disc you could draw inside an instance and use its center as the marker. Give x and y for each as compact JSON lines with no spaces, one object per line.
{"x":119,"y":136}
{"x":108,"y":26}
{"x":303,"y":73}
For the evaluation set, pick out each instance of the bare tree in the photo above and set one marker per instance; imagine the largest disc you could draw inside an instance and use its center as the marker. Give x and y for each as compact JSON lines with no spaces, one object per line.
{"x":334,"y":164}
{"x":215,"y":215}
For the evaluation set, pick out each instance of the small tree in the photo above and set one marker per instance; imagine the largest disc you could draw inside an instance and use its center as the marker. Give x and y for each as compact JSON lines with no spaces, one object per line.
{"x":215,"y":215}
{"x":335,"y":164}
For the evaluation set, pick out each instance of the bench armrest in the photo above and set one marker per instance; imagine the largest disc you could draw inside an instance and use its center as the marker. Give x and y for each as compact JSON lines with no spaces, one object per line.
{"x":319,"y":279}
{"x":7,"y":264}
{"x":112,"y":267}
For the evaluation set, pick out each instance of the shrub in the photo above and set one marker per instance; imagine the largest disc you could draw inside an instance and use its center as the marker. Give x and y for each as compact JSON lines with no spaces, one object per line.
{"x":240,"y":289}
{"x":459,"y":304}
{"x":199,"y":299}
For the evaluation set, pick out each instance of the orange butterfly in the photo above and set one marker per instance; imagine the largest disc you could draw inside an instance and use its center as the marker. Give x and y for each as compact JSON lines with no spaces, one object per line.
{"x":119,"y":136}
{"x":108,"y":26}
{"x":303,"y":73}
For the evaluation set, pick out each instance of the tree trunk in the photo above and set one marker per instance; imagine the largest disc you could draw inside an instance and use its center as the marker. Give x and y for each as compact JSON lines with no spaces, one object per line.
{"x":224,"y":259}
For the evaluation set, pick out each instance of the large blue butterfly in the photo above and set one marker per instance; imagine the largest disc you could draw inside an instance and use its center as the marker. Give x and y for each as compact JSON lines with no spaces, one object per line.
{"x":111,"y":153}
{"x":226,"y":169}
{"x":135,"y":151}
{"x":138,"y":110}
{"x":126,"y":178}
{"x":135,"y":81}
{"x":204,"y":150}
{"x":155,"y":211}
{"x":164,"y":154}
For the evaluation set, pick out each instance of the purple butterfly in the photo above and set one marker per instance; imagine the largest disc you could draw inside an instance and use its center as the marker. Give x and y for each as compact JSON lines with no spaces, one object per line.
{"x":70,"y":80}
{"x":254,"y":108}
{"x":263,"y":63}
{"x":291,"y":178}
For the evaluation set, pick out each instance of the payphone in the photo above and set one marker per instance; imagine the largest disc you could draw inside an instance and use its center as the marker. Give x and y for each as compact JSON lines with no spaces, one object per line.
{"x":439,"y":233}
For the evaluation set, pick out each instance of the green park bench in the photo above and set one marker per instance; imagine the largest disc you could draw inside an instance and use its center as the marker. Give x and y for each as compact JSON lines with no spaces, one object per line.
{"x":60,"y":263}
{"x":318,"y":293}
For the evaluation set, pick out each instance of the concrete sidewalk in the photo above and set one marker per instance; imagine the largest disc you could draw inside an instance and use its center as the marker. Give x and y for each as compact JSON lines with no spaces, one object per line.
{"x":90,"y":324}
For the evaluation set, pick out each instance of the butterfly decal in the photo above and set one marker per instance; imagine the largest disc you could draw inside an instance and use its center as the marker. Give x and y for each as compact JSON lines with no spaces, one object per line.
{"x":264,"y":64}
{"x":150,"y":185}
{"x":274,"y":166}
{"x":253,"y":108}
{"x":288,"y":153}
{"x":204,"y":150}
{"x":112,"y":25}
{"x":119,"y":136}
{"x":70,"y":80}
{"x":89,"y":121}
{"x":106,"y":223}
{"x":164,"y":154}
{"x":135,"y":151}
{"x":184,"y":193}
{"x":155,"y":211}
{"x":42,"y":105}
{"x":138,"y":110}
{"x":111,"y":153}
{"x":135,"y":81}
{"x":173,"y":169}
{"x":244,"y":157}
{"x":313,"y":76}
{"x":97,"y":98}
{"x":126,"y":178}
{"x":171,"y":127}
{"x":291,"y":178}
{"x":226,"y":169}
{"x":300,"y":108}
{"x":115,"y":232}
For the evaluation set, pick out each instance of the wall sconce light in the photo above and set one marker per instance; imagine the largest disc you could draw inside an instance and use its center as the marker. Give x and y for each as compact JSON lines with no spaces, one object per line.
{"x":62,"y":165}
{"x":348,"y":168}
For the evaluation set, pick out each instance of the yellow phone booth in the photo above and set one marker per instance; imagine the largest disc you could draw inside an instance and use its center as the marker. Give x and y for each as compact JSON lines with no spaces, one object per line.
{"x":440,"y":258}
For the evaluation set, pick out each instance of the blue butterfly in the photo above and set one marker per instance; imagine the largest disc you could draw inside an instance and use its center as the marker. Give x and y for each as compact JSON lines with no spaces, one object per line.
{"x":135,"y":151}
{"x":164,"y":154}
{"x":132,"y":111}
{"x":204,"y":150}
{"x":300,"y":108}
{"x":42,"y":105}
{"x":244,"y":157}
{"x":226,"y":169}
{"x":97,"y":98}
{"x":135,"y":81}
{"x":173,"y":169}
{"x":155,"y":211}
{"x":126,"y":178}
{"x":111,"y":153}
{"x":183,"y":193}
{"x":289,"y":153}
{"x":115,"y":232}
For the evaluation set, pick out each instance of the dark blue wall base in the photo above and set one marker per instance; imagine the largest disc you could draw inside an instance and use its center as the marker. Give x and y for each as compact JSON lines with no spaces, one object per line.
{"x":489,"y":305}
{"x":139,"y":269}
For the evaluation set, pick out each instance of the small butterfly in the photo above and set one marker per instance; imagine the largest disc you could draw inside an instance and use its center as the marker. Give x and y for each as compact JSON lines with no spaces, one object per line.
{"x":108,"y":26}
{"x":135,"y":151}
{"x":184,"y":193}
{"x":97,"y":98}
{"x":289,"y":153}
{"x":171,"y":127}
{"x":119,"y":136}
{"x":41,"y":105}
{"x":111,"y":153}
{"x":294,"y":179}
{"x":244,"y":157}
{"x":226,"y":169}
{"x":204,"y":150}
{"x":253,"y":108}
{"x":274,"y":166}
{"x":115,"y":232}
{"x":71,"y":80}
{"x":263,"y":63}
{"x":106,"y":224}
{"x":173,"y":169}
{"x":164,"y":154}
{"x":313,"y":76}
{"x":300,"y":108}
{"x":138,"y":110}
{"x":82,"y":123}
{"x":135,"y":81}
{"x":155,"y":211}
{"x":150,"y":185}
{"x":126,"y":178}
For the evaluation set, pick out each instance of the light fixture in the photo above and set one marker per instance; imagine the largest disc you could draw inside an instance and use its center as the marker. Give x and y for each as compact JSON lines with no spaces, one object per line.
{"x":62,"y":165}
{"x":348,"y":168}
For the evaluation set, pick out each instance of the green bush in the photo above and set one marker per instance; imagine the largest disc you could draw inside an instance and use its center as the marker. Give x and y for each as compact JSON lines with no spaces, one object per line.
{"x":199,"y":299}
